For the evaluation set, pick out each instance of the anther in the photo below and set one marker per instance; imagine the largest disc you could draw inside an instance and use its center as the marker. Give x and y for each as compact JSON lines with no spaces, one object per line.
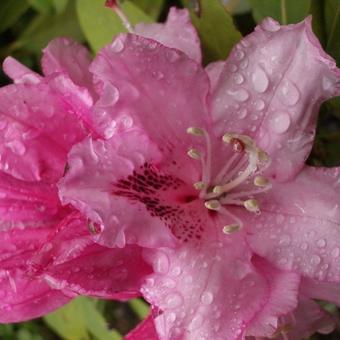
{"x":213,"y":205}
{"x":237,"y":145}
{"x":261,"y":181}
{"x":251,"y":205}
{"x":218,"y":189}
{"x":231,"y":228}
{"x":199,"y":185}
{"x":193,"y":153}
{"x":195,"y":131}
{"x":263,"y":156}
{"x":227,"y":137}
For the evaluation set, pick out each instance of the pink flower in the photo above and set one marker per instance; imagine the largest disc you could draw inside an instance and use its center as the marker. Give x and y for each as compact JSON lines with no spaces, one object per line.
{"x":206,"y":168}
{"x":41,"y":119}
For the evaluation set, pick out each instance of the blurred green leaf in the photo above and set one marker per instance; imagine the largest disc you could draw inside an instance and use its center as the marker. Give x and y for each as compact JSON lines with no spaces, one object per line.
{"x":10,"y":11}
{"x":332,"y":20}
{"x":317,"y":11}
{"x":216,"y":29}
{"x":42,"y":6}
{"x":101,"y":24}
{"x":284,"y":11}
{"x":60,"y":5}
{"x":141,"y":308}
{"x":45,"y":27}
{"x":152,"y":8}
{"x":80,"y":319}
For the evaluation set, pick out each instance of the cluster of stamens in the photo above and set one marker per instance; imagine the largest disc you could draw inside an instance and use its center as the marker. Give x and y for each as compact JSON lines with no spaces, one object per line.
{"x":246,"y":163}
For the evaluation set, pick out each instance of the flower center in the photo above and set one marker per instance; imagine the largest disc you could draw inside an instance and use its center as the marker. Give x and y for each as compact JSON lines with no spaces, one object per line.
{"x":238,"y":181}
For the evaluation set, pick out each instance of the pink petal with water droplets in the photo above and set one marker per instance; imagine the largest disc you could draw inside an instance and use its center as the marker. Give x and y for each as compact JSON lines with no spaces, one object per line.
{"x":212,"y":290}
{"x":68,"y":56}
{"x":19,"y":73}
{"x":38,"y":127}
{"x":177,"y":32}
{"x":71,"y":261}
{"x":144,"y":331}
{"x":298,"y":228}
{"x":271,"y":89}
{"x":103,"y":183}
{"x":22,"y":295}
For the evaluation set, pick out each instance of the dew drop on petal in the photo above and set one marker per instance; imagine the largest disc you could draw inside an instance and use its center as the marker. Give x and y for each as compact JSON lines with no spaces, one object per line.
{"x":238,"y":79}
{"x":17,"y":147}
{"x":244,"y":63}
{"x":240,"y":95}
{"x":117,"y":45}
{"x":196,"y":322}
{"x":207,"y":298}
{"x":162,"y":263}
{"x":259,"y":104}
{"x":260,"y":80}
{"x":239,"y":54}
{"x":242,"y":113}
{"x":174,"y":300}
{"x":321,"y":243}
{"x":270,"y":25}
{"x":110,"y":96}
{"x":280,"y":122}
{"x":335,"y":252}
{"x":289,"y":93}
{"x":315,"y":259}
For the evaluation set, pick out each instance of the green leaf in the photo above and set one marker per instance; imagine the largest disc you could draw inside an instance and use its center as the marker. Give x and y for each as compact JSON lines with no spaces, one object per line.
{"x":284,"y":11}
{"x":60,"y":5}
{"x":216,"y":29}
{"x":79,"y":320}
{"x":318,"y":22}
{"x":332,"y":20}
{"x":41,"y":6}
{"x":152,"y":8}
{"x":45,"y":27}
{"x":101,"y":24}
{"x":141,"y":308}
{"x":10,"y":12}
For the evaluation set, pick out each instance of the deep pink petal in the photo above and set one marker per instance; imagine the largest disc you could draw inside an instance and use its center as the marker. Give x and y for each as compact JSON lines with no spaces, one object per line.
{"x":95,"y":181}
{"x":72,"y":262}
{"x":177,"y":32}
{"x":64,"y":55}
{"x":38,"y":127}
{"x":271,"y":88}
{"x":19,"y":73}
{"x":298,"y":228}
{"x":144,"y":331}
{"x":213,"y":290}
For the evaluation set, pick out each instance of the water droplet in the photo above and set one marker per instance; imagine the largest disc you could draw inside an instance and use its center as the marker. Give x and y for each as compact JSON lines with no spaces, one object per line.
{"x":242,"y":113}
{"x":233,"y":68}
{"x":244,"y":63}
{"x":259,"y":104}
{"x":17,"y":147}
{"x":117,"y":45}
{"x":239,"y":54}
{"x":110,"y":129}
{"x":238,"y":79}
{"x":161,"y":264}
{"x":172,"y":56}
{"x":289,"y":93}
{"x":321,"y":243}
{"x":270,"y":25}
{"x":171,"y":317}
{"x":280,"y":122}
{"x":158,"y":75}
{"x":196,"y":322}
{"x":109,"y":97}
{"x":240,"y":95}
{"x":260,"y":80}
{"x":176,"y":271}
{"x":335,"y":252}
{"x":207,"y":298}
{"x":174,"y":300}
{"x":315,"y":259}
{"x":285,"y":240}
{"x":304,"y":246}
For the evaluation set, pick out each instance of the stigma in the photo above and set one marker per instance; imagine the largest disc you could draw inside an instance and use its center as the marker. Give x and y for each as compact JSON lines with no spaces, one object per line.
{"x":239,"y":180}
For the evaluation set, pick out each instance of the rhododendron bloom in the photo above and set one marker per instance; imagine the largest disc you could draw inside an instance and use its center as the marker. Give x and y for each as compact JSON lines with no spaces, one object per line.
{"x":206,"y":169}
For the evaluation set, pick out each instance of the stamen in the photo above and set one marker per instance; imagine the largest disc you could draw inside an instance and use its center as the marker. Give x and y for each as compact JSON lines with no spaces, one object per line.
{"x":199,"y":185}
{"x":227,"y":137}
{"x":195,"y":131}
{"x":218,"y":189}
{"x":231,"y":228}
{"x":227,"y":213}
{"x":252,"y":205}
{"x":114,"y":4}
{"x":261,"y":181}
{"x":237,"y":145}
{"x":195,"y":154}
{"x":213,"y":205}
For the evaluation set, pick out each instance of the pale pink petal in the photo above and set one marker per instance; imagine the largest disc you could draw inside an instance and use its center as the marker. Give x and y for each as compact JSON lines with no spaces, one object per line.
{"x":177,"y":32}
{"x":68,"y":56}
{"x":19,"y":73}
{"x":38,"y":127}
{"x":72,"y":262}
{"x":144,"y":331}
{"x":271,"y":88}
{"x":22,"y":295}
{"x":144,"y":83}
{"x":214,"y":71}
{"x":298,"y":228}
{"x":197,"y":288}
{"x":103,"y":182}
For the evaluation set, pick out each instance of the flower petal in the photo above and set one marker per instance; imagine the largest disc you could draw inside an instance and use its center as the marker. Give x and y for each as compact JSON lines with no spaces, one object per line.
{"x":94,"y":182}
{"x":271,"y":88}
{"x":30,"y":116}
{"x":72,"y":262}
{"x":67,"y":55}
{"x":298,"y":228}
{"x":144,"y":331}
{"x":177,"y":32}
{"x":198,"y":288}
{"x":142,"y":82}
{"x":19,"y":73}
